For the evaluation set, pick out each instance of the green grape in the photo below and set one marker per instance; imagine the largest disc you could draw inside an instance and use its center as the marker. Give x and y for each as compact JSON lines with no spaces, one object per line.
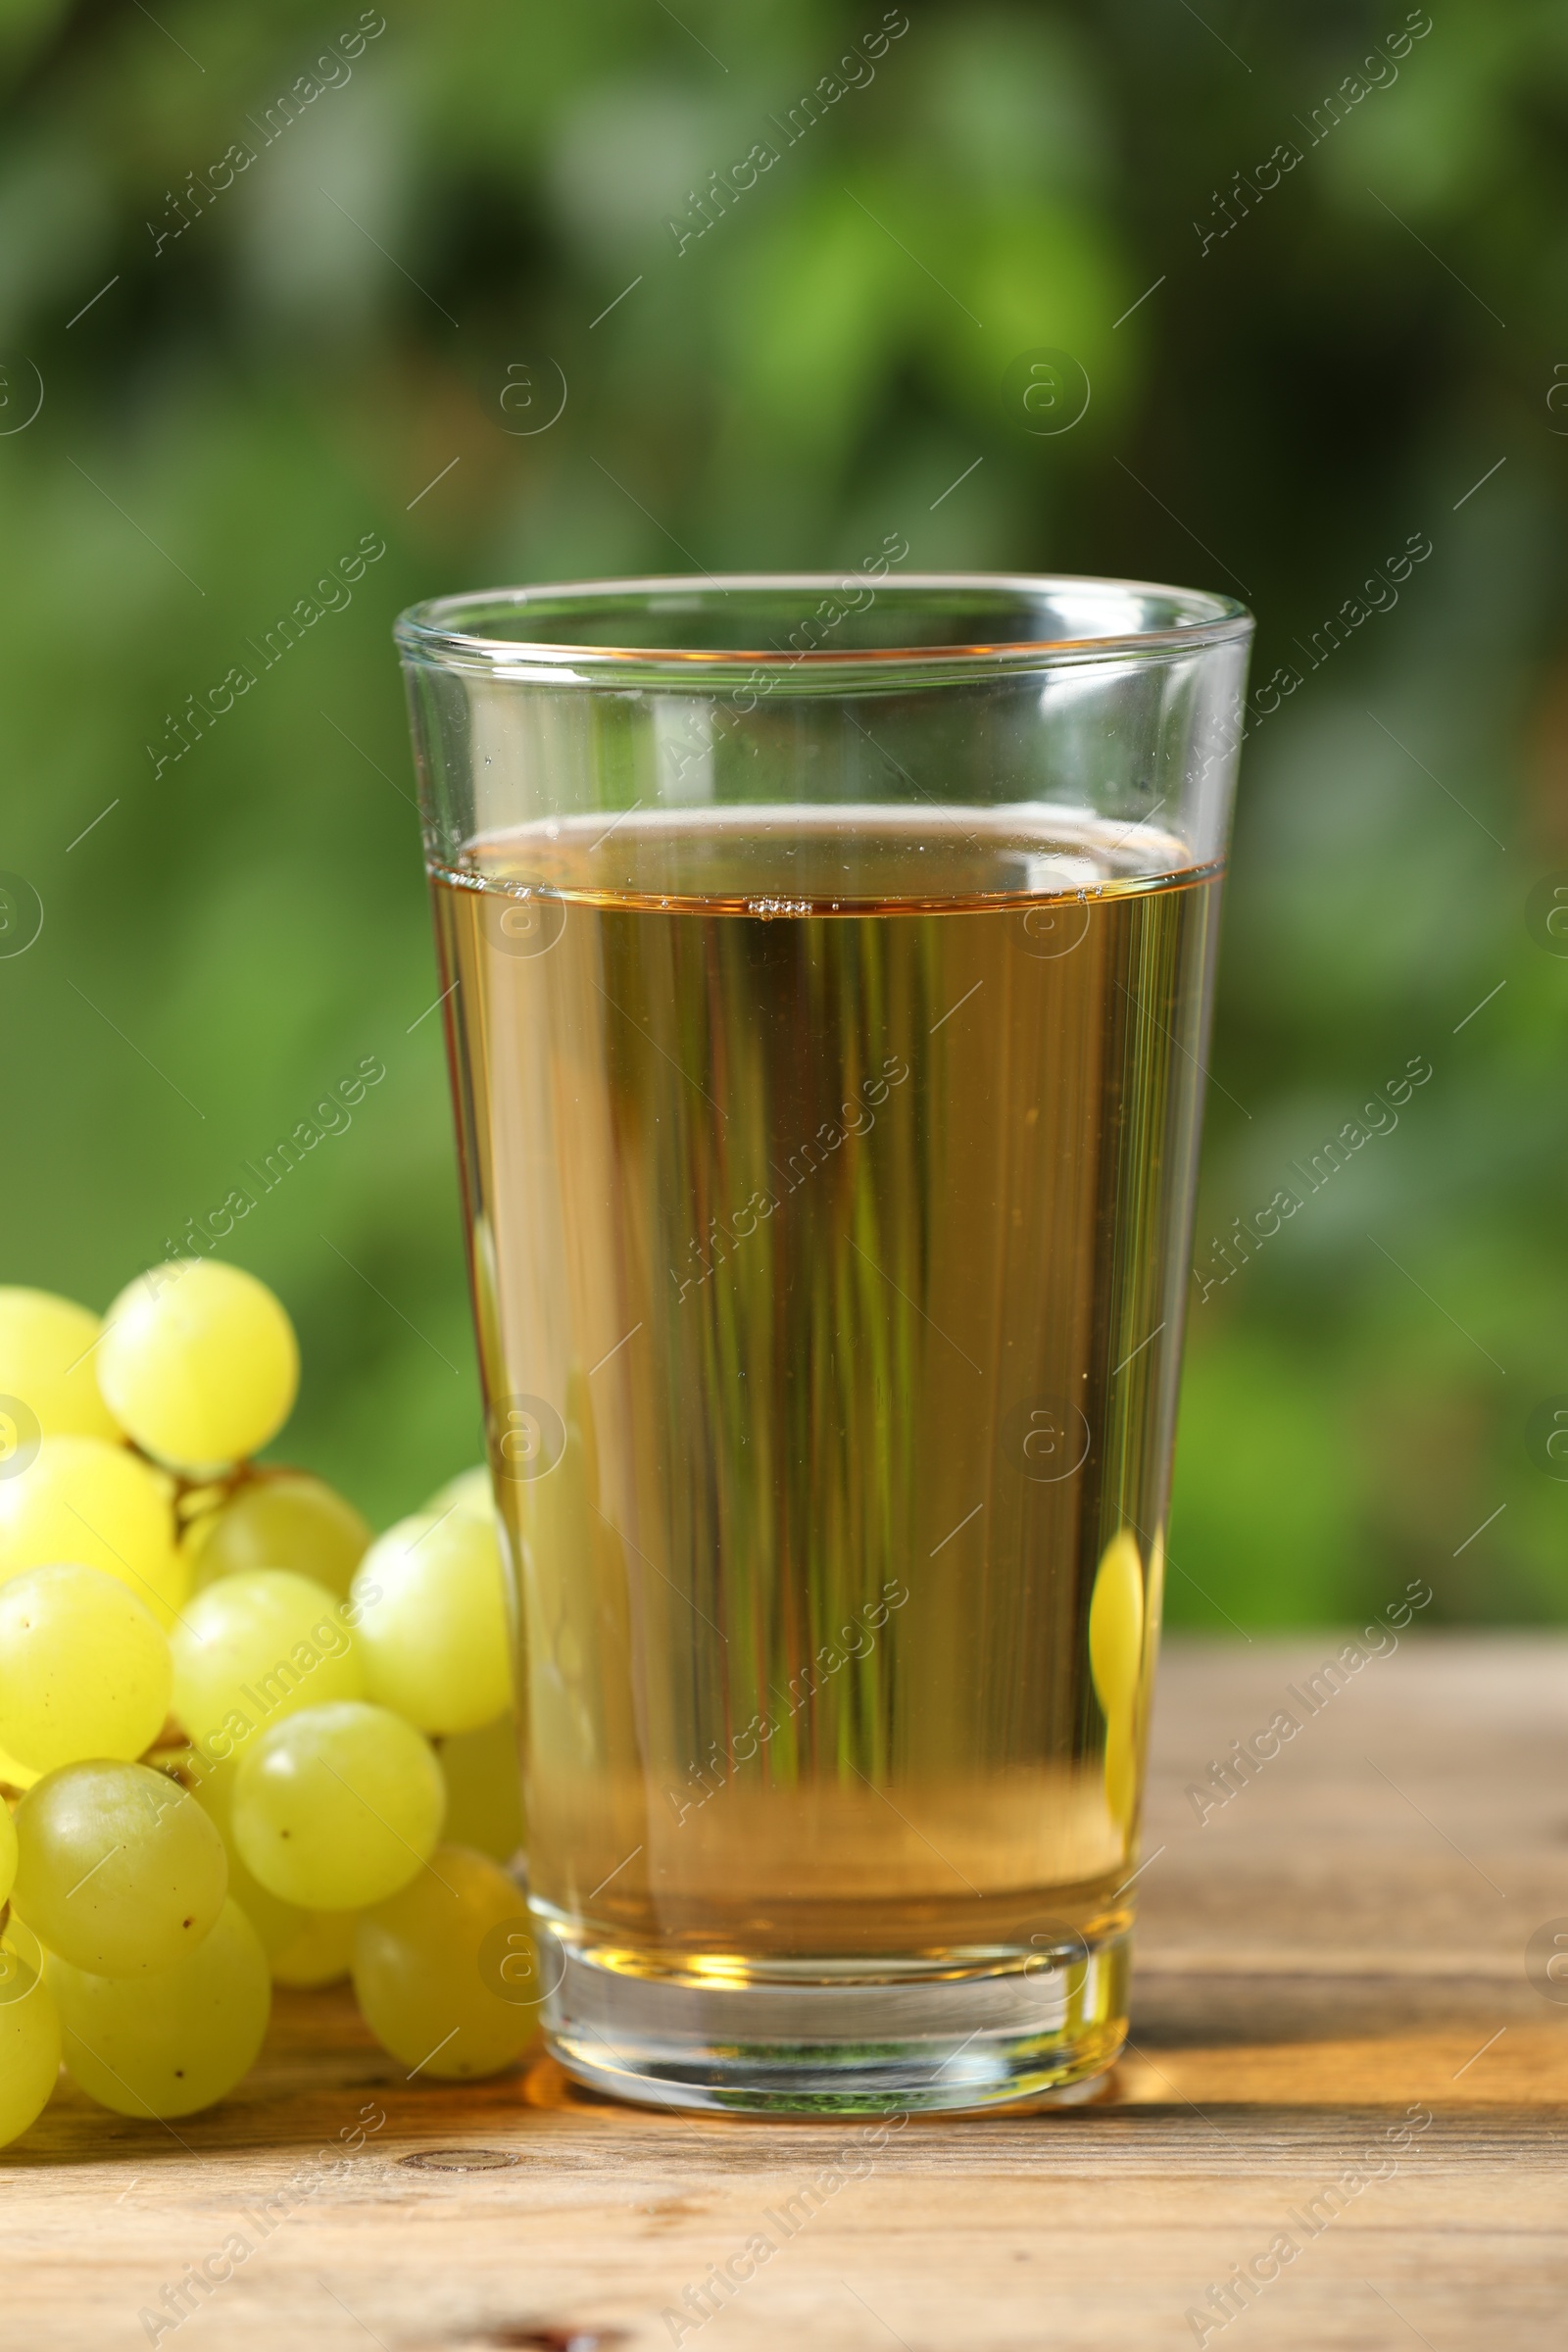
{"x":277,"y":1924}
{"x":47,"y":1365}
{"x":302,"y":1947}
{"x":170,"y":2042}
{"x":254,"y":1649}
{"x":1116,"y":1625}
{"x":85,"y":1500}
{"x":320,"y":1953}
{"x":338,"y":1807}
{"x":85,"y":1668}
{"x":8,"y":1853}
{"x":433,"y":1624}
{"x":118,"y":1869}
{"x":484,"y":1788}
{"x":281,"y":1519}
{"x":445,"y":1972}
{"x":199,"y":1362}
{"x":29,"y":2035}
{"x":470,"y":1491}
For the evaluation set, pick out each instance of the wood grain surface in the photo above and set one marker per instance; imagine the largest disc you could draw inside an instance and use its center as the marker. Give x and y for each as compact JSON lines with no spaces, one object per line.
{"x":1336,"y":2042}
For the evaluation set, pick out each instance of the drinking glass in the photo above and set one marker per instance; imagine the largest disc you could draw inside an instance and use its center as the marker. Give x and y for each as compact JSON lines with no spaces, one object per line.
{"x":827,"y":967}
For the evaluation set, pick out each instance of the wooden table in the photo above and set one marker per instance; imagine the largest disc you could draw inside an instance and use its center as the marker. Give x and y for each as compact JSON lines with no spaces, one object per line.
{"x":1330,"y":1958}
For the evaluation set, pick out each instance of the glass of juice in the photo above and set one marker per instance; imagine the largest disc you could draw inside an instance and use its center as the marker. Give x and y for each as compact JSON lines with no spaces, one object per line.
{"x":827,"y":967}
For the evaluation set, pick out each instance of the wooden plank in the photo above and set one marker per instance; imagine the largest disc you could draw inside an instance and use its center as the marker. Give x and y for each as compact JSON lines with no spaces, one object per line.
{"x":1339,"y":1944}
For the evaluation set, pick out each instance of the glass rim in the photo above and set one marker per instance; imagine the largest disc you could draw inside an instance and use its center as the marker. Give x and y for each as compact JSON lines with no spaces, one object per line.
{"x":450,"y":632}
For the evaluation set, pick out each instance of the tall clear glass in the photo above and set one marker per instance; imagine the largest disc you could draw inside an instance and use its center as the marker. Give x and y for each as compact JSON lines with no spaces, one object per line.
{"x":828,"y":966}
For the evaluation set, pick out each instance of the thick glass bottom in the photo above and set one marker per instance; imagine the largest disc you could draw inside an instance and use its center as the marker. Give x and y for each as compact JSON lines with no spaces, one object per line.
{"x":831,"y":2037}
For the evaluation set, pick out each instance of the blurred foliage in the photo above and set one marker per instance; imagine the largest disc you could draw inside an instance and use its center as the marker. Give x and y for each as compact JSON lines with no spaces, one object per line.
{"x":323,"y":350}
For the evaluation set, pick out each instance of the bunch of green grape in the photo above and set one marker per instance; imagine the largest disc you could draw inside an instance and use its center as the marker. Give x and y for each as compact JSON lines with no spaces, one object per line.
{"x":241,"y":1742}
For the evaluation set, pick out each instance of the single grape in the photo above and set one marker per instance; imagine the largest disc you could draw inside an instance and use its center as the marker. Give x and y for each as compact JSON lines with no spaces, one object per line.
{"x":84,"y":1500}
{"x":337,"y":1806}
{"x":118,"y":1869}
{"x":280,"y":1519}
{"x":170,"y":2042}
{"x":302,"y":1947}
{"x":433,"y":1624}
{"x":1116,"y":1625}
{"x":445,"y":1971}
{"x":8,"y":1852}
{"x":254,"y":1649}
{"x":277,"y":1924}
{"x":84,"y":1667}
{"x":1115,"y":1661}
{"x":470,"y":1491}
{"x":320,"y":1953}
{"x":29,"y":2035}
{"x":199,"y":1362}
{"x":48,"y":1364}
{"x":484,"y":1789}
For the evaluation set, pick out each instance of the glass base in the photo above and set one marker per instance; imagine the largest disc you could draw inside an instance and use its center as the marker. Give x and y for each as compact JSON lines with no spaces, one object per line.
{"x":830,"y":2038}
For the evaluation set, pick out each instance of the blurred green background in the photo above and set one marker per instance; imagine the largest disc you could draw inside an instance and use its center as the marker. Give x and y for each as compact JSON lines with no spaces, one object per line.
{"x":240,"y":380}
